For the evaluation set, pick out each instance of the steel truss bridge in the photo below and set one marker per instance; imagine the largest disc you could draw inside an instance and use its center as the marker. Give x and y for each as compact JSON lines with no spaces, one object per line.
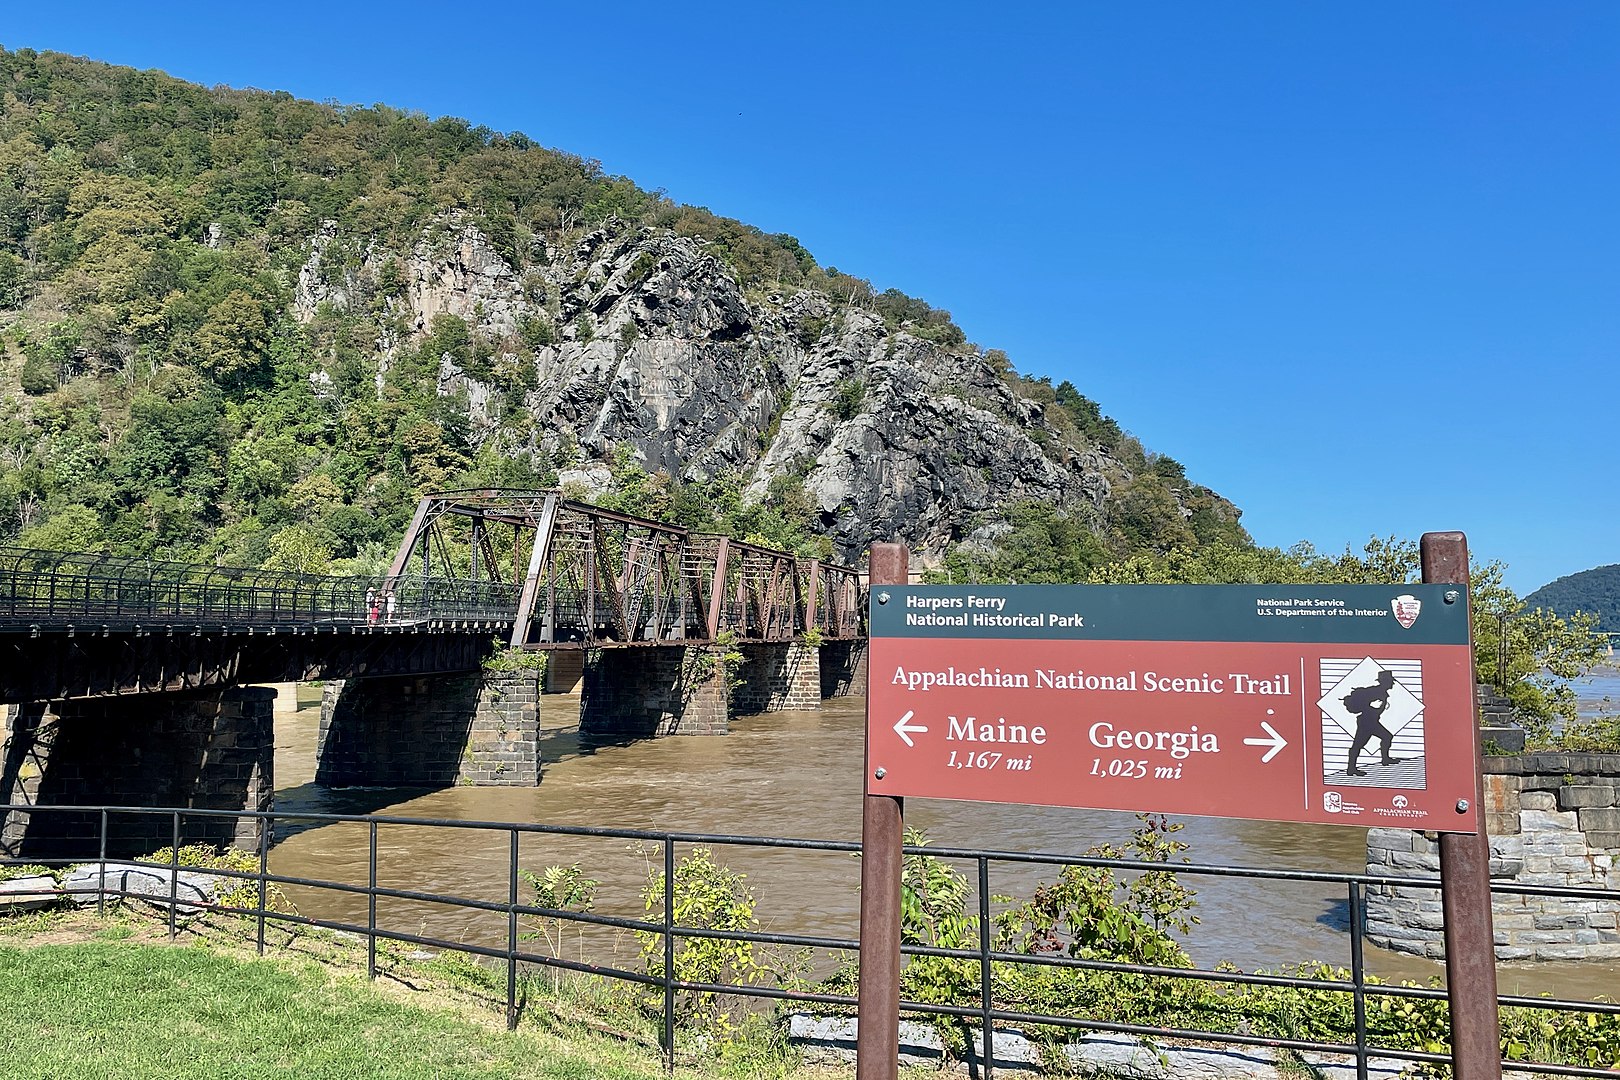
{"x":528,"y":568}
{"x":577,"y":574}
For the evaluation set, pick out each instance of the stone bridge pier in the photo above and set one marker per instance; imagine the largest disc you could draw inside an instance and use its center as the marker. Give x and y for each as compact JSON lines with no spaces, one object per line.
{"x":694,"y":690}
{"x":843,"y":668}
{"x":485,"y":727}
{"x":210,"y":749}
{"x":431,"y":731}
{"x":656,"y":690}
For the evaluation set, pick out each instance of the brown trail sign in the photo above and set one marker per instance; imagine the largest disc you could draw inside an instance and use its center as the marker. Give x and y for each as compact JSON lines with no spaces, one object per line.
{"x":1347,"y":705}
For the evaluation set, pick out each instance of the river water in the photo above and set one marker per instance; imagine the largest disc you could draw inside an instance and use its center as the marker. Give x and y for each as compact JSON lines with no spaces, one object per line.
{"x":796,"y":775}
{"x":1599,"y":691}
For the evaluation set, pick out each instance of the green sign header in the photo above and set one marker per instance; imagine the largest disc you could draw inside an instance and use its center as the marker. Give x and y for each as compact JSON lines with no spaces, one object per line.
{"x":1367,"y":614}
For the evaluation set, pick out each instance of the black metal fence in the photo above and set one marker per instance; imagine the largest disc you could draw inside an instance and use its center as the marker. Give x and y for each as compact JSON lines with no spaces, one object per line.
{"x":514,"y":954}
{"x":51,"y":590}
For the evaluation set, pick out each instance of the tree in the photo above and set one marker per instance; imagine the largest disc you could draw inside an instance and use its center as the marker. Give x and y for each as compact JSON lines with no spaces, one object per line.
{"x":1043,"y":544}
{"x":233,"y":343}
{"x":299,"y":549}
{"x":1542,"y":652}
{"x":71,"y":528}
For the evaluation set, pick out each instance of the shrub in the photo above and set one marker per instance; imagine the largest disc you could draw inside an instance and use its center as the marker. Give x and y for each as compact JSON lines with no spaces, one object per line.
{"x":707,"y":896}
{"x":848,"y":398}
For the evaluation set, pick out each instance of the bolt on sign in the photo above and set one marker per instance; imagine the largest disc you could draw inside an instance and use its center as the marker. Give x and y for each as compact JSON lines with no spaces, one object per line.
{"x":1347,"y":705}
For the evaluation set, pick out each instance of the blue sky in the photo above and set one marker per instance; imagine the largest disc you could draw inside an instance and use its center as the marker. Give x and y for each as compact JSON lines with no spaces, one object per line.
{"x":1357,"y":266}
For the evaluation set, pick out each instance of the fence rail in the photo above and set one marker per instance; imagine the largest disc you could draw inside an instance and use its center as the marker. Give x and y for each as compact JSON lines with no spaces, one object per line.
{"x":984,"y":1014}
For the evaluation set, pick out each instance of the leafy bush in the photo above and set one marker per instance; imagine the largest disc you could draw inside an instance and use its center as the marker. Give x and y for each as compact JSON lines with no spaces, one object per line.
{"x":848,"y":398}
{"x":562,"y":889}
{"x":233,"y":892}
{"x":506,"y":658}
{"x":707,"y":896}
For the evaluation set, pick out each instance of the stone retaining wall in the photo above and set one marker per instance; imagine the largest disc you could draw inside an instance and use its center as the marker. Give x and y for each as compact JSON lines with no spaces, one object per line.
{"x":1553,"y":819}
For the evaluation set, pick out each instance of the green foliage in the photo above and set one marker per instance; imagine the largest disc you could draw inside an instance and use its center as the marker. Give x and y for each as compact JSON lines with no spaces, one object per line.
{"x":156,"y":225}
{"x":163,"y":221}
{"x":73,"y":528}
{"x":1093,"y":913}
{"x":506,"y":658}
{"x":38,"y":376}
{"x":299,"y":549}
{"x":1543,"y":652}
{"x":537,"y":331}
{"x":848,"y":397}
{"x":561,"y":889}
{"x":1086,"y":416}
{"x":723,"y":659}
{"x":811,"y":327}
{"x":1596,"y":591}
{"x":233,"y":892}
{"x":1044,"y":543}
{"x":707,"y":896}
{"x":1598,"y":735}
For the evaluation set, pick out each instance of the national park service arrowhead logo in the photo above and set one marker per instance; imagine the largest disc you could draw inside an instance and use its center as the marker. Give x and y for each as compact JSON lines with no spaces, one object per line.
{"x":1406,"y":608}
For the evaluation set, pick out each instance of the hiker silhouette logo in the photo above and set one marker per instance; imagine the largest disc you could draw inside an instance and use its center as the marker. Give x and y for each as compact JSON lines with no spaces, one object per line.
{"x":1372,"y":722}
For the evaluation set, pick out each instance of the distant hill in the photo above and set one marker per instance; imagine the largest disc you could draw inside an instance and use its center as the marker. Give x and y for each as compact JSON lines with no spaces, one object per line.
{"x":1596,"y":590}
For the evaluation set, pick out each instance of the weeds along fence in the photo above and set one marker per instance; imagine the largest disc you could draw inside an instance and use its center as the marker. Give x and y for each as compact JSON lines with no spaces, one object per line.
{"x":975,"y":962}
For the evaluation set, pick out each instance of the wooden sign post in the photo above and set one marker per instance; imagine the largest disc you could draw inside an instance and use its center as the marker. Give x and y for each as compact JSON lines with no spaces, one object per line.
{"x":877,"y":1041}
{"x":1465,"y":886}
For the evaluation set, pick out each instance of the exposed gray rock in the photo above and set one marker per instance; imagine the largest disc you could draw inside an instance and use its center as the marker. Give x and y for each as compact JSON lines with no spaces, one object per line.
{"x":85,"y":884}
{"x":455,"y":270}
{"x":831,"y":1040}
{"x":655,"y":346}
{"x":29,"y":893}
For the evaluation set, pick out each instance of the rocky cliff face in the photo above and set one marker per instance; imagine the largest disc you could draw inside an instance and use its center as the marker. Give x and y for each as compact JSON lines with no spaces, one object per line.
{"x":646,"y":340}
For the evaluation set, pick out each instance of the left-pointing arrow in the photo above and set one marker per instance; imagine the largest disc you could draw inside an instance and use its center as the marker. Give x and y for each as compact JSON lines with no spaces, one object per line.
{"x":904,"y":730}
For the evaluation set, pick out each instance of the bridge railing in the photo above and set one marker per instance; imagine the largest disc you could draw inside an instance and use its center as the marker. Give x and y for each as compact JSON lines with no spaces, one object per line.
{"x":50,"y":588}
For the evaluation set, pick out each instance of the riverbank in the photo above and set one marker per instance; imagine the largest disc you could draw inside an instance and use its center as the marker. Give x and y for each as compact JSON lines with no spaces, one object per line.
{"x":111,"y":996}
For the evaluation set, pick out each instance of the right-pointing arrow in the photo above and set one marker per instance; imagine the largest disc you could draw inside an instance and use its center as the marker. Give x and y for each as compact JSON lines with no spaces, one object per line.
{"x":1276,"y":742}
{"x":904,"y":730}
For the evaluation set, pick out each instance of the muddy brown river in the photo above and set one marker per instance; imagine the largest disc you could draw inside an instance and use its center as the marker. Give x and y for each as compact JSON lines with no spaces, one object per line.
{"x":788,"y":775}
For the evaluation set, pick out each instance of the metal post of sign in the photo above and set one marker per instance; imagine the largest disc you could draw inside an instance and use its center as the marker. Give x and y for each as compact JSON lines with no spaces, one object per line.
{"x":1465,"y":885}
{"x":877,"y":1043}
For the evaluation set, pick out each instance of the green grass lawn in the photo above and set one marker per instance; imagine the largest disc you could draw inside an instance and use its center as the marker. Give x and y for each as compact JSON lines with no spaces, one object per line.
{"x":128,"y":1010}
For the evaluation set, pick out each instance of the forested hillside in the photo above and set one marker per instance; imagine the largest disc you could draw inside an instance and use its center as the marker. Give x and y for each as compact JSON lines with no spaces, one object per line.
{"x":1595,"y":591}
{"x":236,"y":325}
